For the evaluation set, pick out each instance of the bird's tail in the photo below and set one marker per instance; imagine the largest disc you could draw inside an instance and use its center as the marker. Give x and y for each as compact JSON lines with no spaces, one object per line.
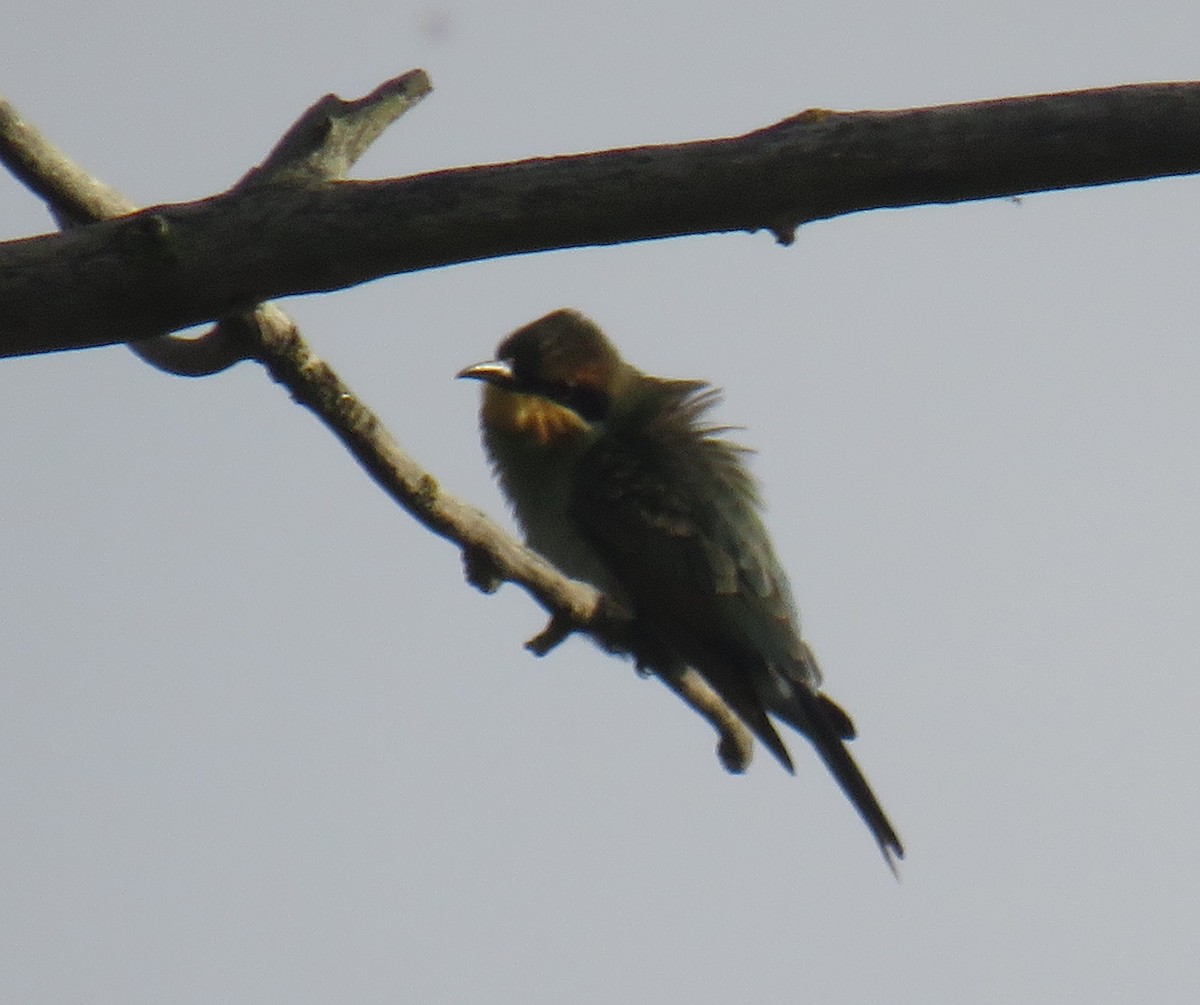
{"x":799,"y":703}
{"x":828,"y":727}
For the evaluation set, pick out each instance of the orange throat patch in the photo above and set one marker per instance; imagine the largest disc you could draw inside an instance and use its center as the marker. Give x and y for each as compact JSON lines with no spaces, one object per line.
{"x":532,"y":418}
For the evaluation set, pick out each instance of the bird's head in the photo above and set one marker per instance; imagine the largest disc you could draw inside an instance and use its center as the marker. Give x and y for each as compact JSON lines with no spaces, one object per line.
{"x":552,"y":381}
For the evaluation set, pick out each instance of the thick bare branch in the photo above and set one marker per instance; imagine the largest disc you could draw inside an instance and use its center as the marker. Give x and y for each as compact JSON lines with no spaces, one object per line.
{"x":323,"y":144}
{"x":173,"y":266}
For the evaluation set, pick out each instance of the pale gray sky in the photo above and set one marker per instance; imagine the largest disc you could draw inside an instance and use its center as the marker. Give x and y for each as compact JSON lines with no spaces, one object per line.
{"x":259,"y":742}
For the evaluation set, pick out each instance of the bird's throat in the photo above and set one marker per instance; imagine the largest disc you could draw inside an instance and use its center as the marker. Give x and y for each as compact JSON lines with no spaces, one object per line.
{"x":535,"y":420}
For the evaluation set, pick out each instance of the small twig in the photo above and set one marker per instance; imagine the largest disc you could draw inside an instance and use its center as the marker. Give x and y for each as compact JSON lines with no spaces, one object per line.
{"x":327,"y":140}
{"x":735,"y":746}
{"x":556,"y":631}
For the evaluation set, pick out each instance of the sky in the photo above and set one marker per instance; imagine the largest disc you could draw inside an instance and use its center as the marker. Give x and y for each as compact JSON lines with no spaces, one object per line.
{"x":259,"y":742}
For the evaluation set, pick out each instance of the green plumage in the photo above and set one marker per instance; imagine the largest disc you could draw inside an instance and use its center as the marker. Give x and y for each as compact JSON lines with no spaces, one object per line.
{"x":640,"y":495}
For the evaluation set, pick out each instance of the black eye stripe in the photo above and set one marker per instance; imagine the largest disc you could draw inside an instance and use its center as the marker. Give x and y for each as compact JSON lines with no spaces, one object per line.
{"x":590,"y":403}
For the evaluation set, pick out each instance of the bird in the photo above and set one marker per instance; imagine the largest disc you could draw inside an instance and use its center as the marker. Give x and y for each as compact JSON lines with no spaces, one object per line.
{"x":620,"y":480}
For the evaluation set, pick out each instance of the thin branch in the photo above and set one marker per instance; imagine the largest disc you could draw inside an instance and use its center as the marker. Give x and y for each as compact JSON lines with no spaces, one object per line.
{"x":329,"y":138}
{"x":179,"y":265}
{"x":490,"y":555}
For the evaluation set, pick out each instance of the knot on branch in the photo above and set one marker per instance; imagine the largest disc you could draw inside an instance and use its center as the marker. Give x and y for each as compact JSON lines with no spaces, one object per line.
{"x":481,"y":569}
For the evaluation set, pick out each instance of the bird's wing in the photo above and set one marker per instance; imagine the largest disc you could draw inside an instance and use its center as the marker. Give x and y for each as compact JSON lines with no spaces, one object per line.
{"x":670,"y":506}
{"x":673,"y":513}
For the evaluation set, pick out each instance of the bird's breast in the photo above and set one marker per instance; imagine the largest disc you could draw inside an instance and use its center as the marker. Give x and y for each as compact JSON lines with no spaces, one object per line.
{"x":535,"y":451}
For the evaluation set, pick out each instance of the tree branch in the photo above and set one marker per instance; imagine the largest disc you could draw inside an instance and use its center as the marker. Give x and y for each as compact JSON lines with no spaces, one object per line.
{"x":490,"y":555}
{"x":173,"y":266}
{"x":324,"y":142}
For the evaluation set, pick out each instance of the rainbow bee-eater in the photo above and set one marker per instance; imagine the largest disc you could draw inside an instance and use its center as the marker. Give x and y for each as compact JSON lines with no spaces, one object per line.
{"x":619,"y":479}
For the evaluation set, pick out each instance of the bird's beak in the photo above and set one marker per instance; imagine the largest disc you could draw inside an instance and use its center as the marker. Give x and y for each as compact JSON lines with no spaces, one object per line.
{"x":495,"y":371}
